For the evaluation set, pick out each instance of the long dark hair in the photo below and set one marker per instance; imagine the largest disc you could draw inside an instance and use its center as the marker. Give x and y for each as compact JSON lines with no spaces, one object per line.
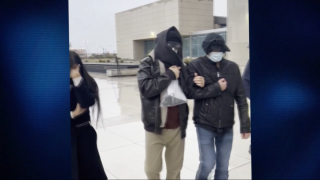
{"x":75,"y":59}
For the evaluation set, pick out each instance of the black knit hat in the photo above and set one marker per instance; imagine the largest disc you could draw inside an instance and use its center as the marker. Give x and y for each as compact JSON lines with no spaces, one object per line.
{"x":173,"y":36}
{"x":214,"y":39}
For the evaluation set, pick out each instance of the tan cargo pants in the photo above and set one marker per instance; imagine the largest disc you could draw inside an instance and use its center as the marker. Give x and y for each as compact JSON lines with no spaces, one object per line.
{"x":154,"y":145}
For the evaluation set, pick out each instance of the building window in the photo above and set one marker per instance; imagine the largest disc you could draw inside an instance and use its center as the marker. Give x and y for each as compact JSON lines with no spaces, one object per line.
{"x":224,"y":35}
{"x":148,"y":46}
{"x":192,"y":45}
{"x":200,"y":50}
{"x":186,"y":47}
{"x":197,"y":45}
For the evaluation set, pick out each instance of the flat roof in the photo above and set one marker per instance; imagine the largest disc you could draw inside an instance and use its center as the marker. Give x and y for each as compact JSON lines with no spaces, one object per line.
{"x":136,"y":8}
{"x":208,"y":31}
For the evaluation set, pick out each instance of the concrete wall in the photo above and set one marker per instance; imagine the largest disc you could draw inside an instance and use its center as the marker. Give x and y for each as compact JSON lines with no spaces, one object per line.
{"x":138,"y":49}
{"x":195,"y":16}
{"x":238,"y":31}
{"x":145,"y":22}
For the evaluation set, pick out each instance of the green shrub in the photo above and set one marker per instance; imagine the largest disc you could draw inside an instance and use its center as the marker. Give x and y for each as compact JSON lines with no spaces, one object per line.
{"x":187,"y":60}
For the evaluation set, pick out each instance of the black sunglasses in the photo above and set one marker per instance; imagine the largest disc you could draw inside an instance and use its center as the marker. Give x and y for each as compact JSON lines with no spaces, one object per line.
{"x":176,"y":46}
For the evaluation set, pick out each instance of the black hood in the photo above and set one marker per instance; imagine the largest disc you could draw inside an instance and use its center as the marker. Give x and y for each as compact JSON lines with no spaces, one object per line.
{"x":163,"y":52}
{"x":214,"y":39}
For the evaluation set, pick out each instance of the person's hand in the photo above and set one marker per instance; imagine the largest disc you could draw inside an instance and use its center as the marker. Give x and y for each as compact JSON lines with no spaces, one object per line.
{"x":245,"y":135}
{"x":78,"y":111}
{"x":176,"y":70}
{"x":223,"y":84}
{"x":75,"y":72}
{"x":198,"y":80}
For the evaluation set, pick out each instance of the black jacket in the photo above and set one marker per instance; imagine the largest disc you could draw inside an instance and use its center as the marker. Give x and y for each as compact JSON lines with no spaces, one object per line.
{"x":246,"y":79}
{"x":84,"y":97}
{"x":214,"y":108}
{"x":151,"y":84}
{"x":81,"y":95}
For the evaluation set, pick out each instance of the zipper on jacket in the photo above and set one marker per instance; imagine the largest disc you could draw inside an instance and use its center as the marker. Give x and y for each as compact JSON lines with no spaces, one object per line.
{"x":207,"y":108}
{"x":220,"y":112}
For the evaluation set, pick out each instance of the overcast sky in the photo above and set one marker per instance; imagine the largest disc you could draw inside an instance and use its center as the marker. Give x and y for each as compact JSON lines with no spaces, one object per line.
{"x":94,"y":21}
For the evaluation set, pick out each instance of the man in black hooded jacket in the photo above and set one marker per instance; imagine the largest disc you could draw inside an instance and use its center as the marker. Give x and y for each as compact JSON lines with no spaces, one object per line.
{"x":246,"y":84}
{"x":214,"y":106}
{"x":164,"y":126}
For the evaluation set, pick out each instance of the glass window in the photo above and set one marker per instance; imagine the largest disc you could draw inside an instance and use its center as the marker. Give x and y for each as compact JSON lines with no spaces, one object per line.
{"x":223,"y":34}
{"x":186,"y":47}
{"x":194,"y":46}
{"x":194,"y":40}
{"x":194,"y":50}
{"x":201,"y":39}
{"x":148,"y":46}
{"x":145,"y":47}
{"x":200,"y":50}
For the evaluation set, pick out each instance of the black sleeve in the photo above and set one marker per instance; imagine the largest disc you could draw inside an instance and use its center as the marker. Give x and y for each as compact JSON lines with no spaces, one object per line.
{"x":241,"y":100}
{"x":84,"y":97}
{"x":150,"y":86}
{"x":196,"y":92}
{"x":246,"y":79}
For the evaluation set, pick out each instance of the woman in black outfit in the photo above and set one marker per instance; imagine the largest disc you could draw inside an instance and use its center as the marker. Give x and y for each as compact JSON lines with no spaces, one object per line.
{"x":86,"y":160}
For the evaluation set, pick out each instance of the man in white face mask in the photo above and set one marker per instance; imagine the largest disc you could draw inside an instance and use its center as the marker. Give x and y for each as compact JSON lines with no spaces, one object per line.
{"x":216,"y":85}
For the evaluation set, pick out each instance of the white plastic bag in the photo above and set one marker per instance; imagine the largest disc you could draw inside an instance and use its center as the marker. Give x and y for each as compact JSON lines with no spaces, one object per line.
{"x":173,"y":96}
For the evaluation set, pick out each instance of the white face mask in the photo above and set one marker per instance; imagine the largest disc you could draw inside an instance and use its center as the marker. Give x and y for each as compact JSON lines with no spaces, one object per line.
{"x":216,"y":56}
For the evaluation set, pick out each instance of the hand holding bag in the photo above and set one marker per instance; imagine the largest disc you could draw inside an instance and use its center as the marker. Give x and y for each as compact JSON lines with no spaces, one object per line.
{"x":174,"y":96}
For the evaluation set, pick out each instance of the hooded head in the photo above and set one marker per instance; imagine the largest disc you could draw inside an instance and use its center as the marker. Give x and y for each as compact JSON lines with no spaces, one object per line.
{"x":75,"y":60}
{"x":173,"y":35}
{"x":214,"y":43}
{"x":169,"y":47}
{"x":214,"y":46}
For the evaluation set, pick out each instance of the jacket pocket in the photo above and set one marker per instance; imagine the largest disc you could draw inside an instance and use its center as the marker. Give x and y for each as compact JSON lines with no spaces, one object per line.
{"x":228,"y":108}
{"x":208,"y":110}
{"x":149,"y":111}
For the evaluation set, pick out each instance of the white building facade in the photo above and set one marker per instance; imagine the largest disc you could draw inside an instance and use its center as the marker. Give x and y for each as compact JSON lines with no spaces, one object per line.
{"x":137,"y":28}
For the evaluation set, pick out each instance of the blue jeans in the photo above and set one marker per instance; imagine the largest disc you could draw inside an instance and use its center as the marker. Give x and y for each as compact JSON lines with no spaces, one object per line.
{"x":214,"y":149}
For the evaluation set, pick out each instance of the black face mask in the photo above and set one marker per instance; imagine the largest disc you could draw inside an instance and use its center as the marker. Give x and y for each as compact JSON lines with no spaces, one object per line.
{"x":169,"y":48}
{"x":175,"y":46}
